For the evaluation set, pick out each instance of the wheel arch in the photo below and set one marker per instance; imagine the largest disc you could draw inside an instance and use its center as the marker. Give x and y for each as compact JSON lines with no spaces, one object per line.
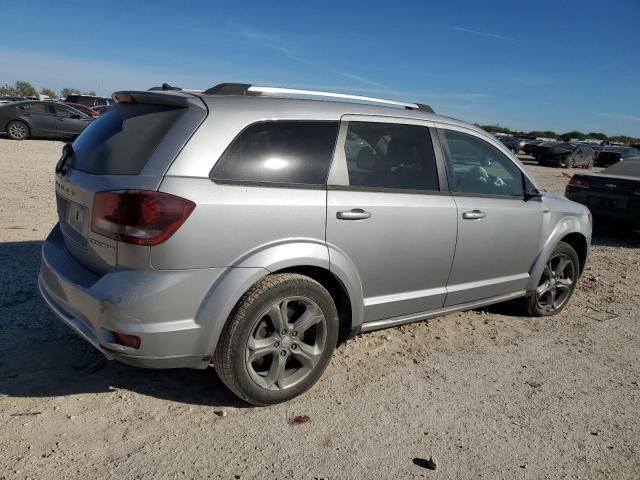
{"x":579,"y":243}
{"x":306,"y":257}
{"x":571,"y":230}
{"x":336,"y":289}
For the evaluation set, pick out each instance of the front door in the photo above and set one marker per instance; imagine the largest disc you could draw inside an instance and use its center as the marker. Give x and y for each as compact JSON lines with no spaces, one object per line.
{"x":71,"y":122}
{"x":499,"y":230}
{"x":387,"y":215}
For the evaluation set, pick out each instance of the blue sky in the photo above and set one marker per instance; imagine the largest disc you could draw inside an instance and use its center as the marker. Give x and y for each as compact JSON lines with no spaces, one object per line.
{"x":558,"y":65}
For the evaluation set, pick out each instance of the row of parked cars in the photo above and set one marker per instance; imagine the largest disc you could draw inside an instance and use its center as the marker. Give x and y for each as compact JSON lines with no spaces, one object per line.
{"x":570,"y":154}
{"x":22,"y":118}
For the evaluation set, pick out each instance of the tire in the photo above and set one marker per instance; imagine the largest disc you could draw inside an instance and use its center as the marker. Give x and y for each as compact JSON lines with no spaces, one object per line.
{"x":252,"y":329}
{"x":563,"y":284}
{"x":589,"y":164}
{"x":17,"y":130}
{"x":569,"y":163}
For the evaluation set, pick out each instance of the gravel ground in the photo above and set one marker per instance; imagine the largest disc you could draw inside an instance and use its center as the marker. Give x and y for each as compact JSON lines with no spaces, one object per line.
{"x":486,"y":393}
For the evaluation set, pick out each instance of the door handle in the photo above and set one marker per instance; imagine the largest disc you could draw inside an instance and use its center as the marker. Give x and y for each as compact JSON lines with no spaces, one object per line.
{"x":474,"y":215}
{"x":353,"y":214}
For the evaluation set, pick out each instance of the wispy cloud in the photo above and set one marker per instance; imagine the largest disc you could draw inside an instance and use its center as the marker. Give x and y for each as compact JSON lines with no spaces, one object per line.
{"x":268,"y":41}
{"x":292,"y":53}
{"x":495,"y":36}
{"x":620,"y":116}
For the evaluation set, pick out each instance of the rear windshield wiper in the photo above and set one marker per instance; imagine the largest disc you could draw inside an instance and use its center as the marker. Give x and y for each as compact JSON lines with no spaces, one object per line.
{"x":67,"y":152}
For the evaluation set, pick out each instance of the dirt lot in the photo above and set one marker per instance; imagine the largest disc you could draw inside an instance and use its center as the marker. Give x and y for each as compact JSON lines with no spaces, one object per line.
{"x":489,"y":395}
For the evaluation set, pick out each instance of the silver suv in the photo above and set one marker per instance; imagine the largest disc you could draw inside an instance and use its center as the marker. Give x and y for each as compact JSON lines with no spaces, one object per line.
{"x":252,"y":229}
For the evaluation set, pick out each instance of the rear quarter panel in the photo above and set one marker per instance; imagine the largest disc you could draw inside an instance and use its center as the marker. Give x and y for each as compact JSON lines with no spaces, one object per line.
{"x":232,"y":224}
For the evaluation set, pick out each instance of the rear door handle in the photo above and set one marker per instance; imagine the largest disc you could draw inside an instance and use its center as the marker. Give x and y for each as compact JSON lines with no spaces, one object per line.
{"x":353,"y":214}
{"x":474,"y":215}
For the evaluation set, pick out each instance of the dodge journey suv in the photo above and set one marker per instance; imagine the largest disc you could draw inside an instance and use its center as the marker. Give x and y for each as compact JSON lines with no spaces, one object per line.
{"x":254,"y":228}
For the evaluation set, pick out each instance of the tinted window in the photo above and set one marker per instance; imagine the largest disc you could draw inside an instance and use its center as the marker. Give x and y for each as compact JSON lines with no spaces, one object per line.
{"x":388,"y":155}
{"x":63,"y":111}
{"x":121,"y":141}
{"x":478,"y":167}
{"x":280,"y":152}
{"x":37,"y":107}
{"x":632,"y":152}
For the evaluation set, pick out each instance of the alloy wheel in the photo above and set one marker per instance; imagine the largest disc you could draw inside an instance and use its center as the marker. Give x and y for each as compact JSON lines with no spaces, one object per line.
{"x":557,"y":283}
{"x":286,"y":343}
{"x":17,"y":130}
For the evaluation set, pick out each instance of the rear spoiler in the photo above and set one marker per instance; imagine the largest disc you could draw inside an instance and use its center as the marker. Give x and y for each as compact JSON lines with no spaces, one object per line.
{"x":171,"y":97}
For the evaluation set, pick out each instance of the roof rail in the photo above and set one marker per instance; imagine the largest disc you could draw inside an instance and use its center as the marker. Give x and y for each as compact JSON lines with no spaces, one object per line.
{"x":250,"y":90}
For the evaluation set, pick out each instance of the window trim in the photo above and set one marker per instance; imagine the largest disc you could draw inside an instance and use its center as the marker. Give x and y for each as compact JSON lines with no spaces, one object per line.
{"x":262,"y":183}
{"x":447,"y":156}
{"x":339,"y":174}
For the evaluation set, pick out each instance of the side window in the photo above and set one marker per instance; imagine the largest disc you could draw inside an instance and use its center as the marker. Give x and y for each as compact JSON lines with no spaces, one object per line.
{"x":295,"y":152}
{"x":62,"y":111}
{"x":477,"y":167}
{"x":35,"y":107}
{"x":390,"y":155}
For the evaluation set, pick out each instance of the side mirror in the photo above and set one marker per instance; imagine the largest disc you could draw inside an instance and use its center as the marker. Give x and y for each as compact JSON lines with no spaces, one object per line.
{"x":532,"y":192}
{"x":529,"y":190}
{"x":75,"y":116}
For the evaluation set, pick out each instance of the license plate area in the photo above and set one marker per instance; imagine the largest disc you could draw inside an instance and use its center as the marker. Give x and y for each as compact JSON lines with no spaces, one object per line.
{"x":74,"y":215}
{"x":607,"y":202}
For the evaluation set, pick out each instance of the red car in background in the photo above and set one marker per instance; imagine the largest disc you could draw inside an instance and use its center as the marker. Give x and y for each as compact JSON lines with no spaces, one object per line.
{"x":84,"y":109}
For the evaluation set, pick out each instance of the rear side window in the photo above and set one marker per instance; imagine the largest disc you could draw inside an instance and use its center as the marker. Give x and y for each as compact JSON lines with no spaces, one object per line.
{"x":37,"y":107}
{"x":388,"y":155}
{"x":121,"y":141}
{"x":290,"y":152}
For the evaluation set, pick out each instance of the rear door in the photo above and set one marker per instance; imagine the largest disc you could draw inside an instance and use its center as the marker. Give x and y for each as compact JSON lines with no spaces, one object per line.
{"x":41,"y":117}
{"x":387,"y":212}
{"x":499,"y":230}
{"x":130,"y":147}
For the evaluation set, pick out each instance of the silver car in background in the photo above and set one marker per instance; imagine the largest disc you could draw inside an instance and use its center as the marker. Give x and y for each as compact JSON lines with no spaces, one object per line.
{"x":252,"y":229}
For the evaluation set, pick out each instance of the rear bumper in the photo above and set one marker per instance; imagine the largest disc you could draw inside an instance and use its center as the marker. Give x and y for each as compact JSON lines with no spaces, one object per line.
{"x":597,"y":204}
{"x":160,"y":307}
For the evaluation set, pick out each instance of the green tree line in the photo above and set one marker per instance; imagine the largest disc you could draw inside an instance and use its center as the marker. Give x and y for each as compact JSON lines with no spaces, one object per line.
{"x":25,"y":89}
{"x":575,"y":134}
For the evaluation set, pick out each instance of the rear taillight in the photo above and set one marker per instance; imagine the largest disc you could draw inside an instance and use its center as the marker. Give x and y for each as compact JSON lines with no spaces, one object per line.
{"x":138,"y":216}
{"x":130,"y":341}
{"x":579,"y":182}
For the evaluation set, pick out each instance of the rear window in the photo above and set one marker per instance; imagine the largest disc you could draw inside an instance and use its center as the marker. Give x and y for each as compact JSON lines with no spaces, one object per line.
{"x":121,"y":141}
{"x":289,"y":152}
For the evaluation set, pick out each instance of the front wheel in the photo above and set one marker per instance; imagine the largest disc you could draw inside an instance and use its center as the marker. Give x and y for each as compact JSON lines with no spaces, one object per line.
{"x":17,"y":130}
{"x":278,"y":340}
{"x":569,"y":162}
{"x":556,"y":284}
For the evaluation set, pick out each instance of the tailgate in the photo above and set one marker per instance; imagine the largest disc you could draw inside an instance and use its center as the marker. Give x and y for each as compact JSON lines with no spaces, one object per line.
{"x":130,"y":147}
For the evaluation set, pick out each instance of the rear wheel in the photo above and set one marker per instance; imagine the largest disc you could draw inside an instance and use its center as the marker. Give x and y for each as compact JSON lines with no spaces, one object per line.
{"x":278,"y":340}
{"x":556,"y":284}
{"x":569,"y":162}
{"x":589,"y":163}
{"x":17,"y":130}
